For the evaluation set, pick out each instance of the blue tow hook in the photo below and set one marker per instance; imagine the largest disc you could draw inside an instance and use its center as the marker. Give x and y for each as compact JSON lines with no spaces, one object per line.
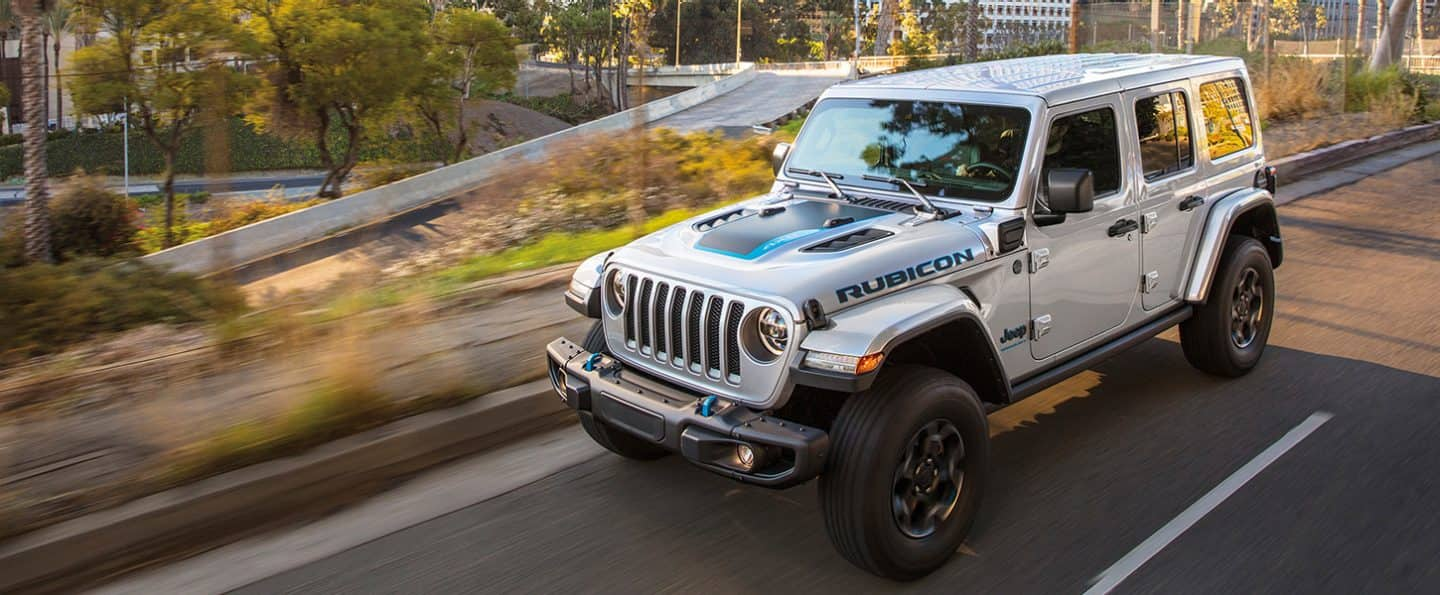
{"x":707,"y":406}
{"x":590,"y":363}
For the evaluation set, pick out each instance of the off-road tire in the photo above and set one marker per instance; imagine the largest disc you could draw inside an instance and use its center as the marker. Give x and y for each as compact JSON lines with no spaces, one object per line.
{"x":616,"y":441}
{"x":1209,"y":338}
{"x":869,"y":440}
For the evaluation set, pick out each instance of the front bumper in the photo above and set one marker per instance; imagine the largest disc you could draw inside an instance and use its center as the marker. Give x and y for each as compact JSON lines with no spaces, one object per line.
{"x":626,"y":399}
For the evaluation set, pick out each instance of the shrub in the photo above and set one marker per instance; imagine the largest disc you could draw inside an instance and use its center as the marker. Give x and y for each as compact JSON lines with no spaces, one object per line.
{"x":87,"y":219}
{"x":1393,"y":96}
{"x":375,"y":175}
{"x":235,"y":215}
{"x":574,"y":109}
{"x":44,"y":308}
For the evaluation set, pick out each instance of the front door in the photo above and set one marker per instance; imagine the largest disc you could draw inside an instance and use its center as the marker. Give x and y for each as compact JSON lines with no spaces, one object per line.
{"x":1085,"y":270}
{"x":1171,"y":188}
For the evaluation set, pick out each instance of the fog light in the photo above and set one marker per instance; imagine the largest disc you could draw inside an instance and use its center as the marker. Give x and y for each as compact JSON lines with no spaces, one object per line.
{"x":745,"y":455}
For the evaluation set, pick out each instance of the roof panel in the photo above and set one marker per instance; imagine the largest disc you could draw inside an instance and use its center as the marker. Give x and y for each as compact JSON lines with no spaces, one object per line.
{"x":1051,"y":77}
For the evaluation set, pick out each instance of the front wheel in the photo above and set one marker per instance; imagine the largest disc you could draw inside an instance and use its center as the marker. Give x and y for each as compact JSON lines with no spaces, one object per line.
{"x":908,"y":466}
{"x":614,"y":440}
{"x":1227,"y":334}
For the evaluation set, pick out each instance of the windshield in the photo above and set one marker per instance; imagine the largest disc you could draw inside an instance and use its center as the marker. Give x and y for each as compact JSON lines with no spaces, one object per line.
{"x":956,"y":150}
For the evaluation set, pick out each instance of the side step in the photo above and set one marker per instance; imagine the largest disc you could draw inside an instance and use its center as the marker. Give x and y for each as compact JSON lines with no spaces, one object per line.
{"x":1048,"y":378}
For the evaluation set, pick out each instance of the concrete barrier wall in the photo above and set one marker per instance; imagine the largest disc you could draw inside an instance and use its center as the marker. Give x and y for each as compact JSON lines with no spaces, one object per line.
{"x":259,"y":240}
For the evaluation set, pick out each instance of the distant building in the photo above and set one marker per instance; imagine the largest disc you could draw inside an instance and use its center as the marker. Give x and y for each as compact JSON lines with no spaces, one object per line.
{"x":1025,"y":21}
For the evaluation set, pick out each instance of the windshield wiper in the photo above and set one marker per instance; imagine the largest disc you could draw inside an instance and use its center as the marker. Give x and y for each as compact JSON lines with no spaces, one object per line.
{"x":829,"y":179}
{"x":925,"y":202}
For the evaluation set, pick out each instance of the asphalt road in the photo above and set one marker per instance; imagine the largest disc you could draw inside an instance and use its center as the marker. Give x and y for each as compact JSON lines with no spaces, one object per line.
{"x":1083,"y":473}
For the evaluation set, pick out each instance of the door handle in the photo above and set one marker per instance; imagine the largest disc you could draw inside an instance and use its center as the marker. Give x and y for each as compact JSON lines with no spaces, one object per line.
{"x":1123,"y":227}
{"x":1191,"y":202}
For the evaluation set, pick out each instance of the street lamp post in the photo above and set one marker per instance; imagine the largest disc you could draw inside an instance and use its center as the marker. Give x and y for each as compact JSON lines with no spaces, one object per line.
{"x":677,"y":33}
{"x":739,"y":6}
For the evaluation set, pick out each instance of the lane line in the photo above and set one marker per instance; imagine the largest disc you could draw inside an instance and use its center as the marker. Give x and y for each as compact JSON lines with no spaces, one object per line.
{"x":1122,"y":569}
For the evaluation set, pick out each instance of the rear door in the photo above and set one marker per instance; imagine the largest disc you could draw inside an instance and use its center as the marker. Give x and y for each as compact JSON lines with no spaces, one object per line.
{"x":1171,"y":187}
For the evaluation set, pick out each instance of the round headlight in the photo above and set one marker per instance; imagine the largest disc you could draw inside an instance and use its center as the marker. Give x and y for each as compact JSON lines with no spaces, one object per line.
{"x":617,"y":290}
{"x":774,"y":330}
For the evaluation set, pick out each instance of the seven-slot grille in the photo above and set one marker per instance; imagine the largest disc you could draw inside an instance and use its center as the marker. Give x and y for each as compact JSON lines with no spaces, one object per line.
{"x":684,"y":327}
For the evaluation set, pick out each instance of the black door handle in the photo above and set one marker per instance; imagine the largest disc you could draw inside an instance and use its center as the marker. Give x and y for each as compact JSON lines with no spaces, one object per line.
{"x":1191,"y":202}
{"x":1123,"y":227}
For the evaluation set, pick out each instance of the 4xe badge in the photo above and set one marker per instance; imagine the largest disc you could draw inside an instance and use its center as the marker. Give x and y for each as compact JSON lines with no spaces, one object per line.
{"x":897,"y":278}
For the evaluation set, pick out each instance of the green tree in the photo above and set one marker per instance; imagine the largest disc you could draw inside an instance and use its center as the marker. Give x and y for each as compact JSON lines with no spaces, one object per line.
{"x":918,"y":41}
{"x":473,"y":53}
{"x":58,"y":24}
{"x":331,"y":65}
{"x":158,"y":64}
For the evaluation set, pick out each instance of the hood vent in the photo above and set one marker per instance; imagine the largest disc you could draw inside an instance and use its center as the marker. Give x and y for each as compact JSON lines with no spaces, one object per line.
{"x":880,"y":203}
{"x":849,"y":240}
{"x":719,"y":220}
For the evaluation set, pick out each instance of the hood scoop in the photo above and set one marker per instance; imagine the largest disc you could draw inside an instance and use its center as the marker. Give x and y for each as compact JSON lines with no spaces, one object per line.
{"x":752,"y":234}
{"x":880,"y":203}
{"x":849,"y":240}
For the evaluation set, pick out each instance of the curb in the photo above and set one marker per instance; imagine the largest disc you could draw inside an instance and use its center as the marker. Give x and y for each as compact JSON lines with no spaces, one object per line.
{"x":108,"y":541}
{"x":1301,"y":165}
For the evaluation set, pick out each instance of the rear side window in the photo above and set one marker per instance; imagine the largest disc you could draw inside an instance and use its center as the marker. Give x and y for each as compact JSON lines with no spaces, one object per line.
{"x":1087,"y":140}
{"x":1228,"y":127}
{"x":1163,"y":123}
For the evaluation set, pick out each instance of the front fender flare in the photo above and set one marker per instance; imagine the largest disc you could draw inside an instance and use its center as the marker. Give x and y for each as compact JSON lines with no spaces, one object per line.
{"x":1218,"y":225}
{"x":884,"y":324}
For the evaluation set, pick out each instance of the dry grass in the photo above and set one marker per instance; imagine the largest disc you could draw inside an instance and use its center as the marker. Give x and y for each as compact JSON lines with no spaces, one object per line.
{"x":1296,"y":89}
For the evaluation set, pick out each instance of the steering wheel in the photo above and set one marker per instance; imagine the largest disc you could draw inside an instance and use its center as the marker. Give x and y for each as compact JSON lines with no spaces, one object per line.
{"x":992,"y":167}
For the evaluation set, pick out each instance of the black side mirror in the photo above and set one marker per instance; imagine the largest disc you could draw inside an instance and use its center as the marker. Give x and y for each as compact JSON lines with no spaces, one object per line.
{"x":1067,"y":190}
{"x":777,"y":157}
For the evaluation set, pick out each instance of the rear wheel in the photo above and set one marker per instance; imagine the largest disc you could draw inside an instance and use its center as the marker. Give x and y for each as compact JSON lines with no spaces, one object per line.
{"x":909,"y":459}
{"x":1227,"y":335}
{"x":614,"y":440}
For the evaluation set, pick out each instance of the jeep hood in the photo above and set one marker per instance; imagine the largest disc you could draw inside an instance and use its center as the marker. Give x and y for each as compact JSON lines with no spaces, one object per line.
{"x":790,"y":250}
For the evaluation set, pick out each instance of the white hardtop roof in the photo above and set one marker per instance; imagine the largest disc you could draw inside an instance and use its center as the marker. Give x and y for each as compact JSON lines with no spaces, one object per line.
{"x":1056,"y":79}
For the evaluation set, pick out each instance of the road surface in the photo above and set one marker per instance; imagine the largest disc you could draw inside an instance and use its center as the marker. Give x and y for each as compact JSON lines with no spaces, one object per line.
{"x":769,"y":96}
{"x":1084,"y":474}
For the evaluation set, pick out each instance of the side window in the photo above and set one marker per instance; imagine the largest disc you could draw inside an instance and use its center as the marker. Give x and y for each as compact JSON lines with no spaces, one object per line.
{"x":1227,"y":117}
{"x":1087,"y":140}
{"x":1163,"y":122}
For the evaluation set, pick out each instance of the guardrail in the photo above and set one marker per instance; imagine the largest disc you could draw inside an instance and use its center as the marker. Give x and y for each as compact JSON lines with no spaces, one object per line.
{"x":263,"y":239}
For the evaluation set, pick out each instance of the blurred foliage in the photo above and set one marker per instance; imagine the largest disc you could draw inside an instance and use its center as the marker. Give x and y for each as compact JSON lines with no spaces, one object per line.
{"x":237,"y":214}
{"x":86,"y":220}
{"x":44,"y":308}
{"x":1296,"y":88}
{"x":554,"y":248}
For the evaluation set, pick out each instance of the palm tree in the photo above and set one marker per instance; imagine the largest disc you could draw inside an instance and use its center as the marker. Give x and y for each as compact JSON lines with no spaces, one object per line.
{"x":7,"y":22}
{"x":58,"y":24}
{"x":37,"y":208}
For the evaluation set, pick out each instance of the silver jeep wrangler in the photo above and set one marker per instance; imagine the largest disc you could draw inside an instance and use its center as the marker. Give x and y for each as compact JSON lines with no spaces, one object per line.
{"x":937,"y":244}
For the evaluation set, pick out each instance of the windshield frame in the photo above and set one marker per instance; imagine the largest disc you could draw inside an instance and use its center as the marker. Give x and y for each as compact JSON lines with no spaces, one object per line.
{"x":1033,"y":105}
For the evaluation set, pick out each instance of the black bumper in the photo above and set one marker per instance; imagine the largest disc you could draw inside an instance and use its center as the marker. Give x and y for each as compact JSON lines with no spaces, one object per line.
{"x":787,"y":453}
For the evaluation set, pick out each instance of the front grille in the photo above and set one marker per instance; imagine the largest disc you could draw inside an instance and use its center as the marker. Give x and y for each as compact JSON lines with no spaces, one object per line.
{"x":686,"y":328}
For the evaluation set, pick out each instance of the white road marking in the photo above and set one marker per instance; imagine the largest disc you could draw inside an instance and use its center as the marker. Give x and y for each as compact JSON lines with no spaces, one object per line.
{"x":1122,"y":569}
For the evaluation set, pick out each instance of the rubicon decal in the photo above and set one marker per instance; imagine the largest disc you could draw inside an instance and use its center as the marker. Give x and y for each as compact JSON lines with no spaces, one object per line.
{"x":897,"y":278}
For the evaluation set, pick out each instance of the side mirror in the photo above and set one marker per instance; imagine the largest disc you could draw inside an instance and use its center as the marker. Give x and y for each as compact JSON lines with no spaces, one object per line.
{"x":1070,"y":190}
{"x":777,"y":157}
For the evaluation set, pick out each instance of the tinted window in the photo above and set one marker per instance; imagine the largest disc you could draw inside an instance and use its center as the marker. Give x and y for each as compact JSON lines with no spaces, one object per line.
{"x":956,"y":150}
{"x":1227,"y":117}
{"x":1087,"y":140}
{"x":1163,"y":124}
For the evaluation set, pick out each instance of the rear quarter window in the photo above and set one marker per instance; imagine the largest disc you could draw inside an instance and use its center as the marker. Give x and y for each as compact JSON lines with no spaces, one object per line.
{"x":1228,"y":126}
